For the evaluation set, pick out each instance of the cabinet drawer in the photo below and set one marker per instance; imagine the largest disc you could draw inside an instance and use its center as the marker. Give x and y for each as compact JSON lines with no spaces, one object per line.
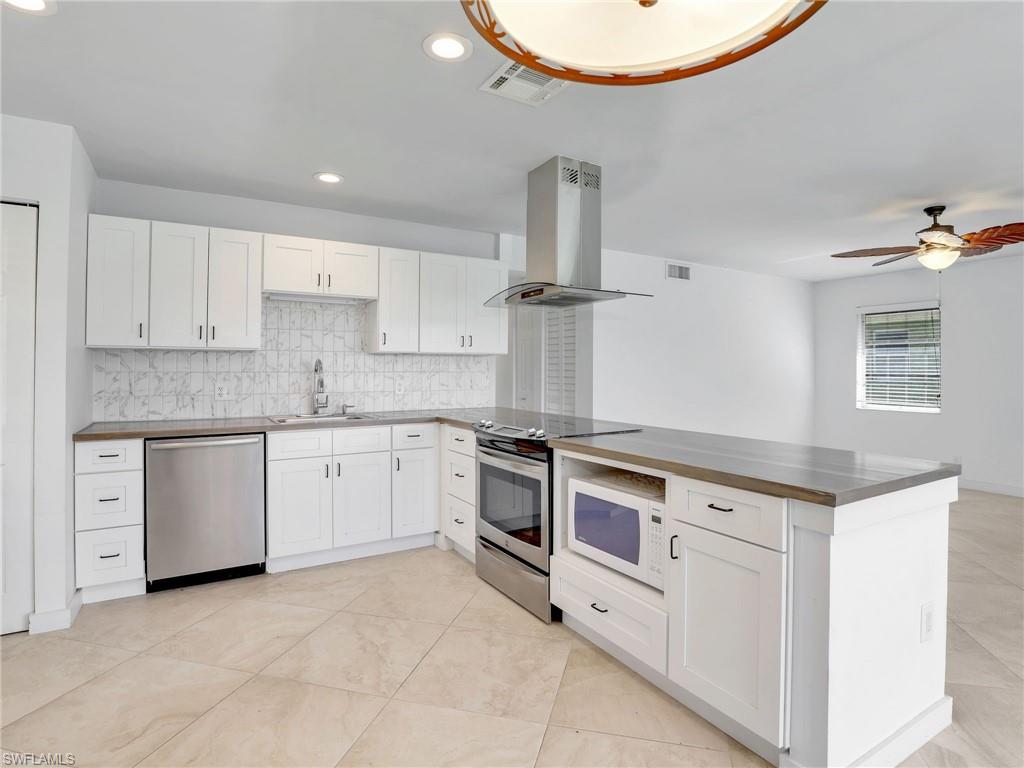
{"x":362,"y":440}
{"x":636,"y":627}
{"x":743,"y":515}
{"x":460,"y":440}
{"x":413,"y":436}
{"x":300,"y":444}
{"x":108,"y":456}
{"x":460,"y":522}
{"x":460,"y":477}
{"x":107,"y":500}
{"x":109,"y":555}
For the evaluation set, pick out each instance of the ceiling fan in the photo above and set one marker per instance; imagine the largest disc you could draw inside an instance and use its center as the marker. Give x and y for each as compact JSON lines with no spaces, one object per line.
{"x":939,"y":246}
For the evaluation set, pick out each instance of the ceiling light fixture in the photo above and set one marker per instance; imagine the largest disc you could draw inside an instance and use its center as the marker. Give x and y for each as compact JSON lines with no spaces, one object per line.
{"x":445,"y":46}
{"x":633,"y":43}
{"x":327,"y":177}
{"x":938,"y":257}
{"x":35,"y":7}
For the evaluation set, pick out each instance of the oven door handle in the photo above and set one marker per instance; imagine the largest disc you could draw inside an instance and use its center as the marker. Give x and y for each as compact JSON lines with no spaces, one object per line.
{"x":519,"y":466}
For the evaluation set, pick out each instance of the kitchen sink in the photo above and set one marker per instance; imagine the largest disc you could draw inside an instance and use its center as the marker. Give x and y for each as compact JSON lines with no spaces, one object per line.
{"x":300,"y":418}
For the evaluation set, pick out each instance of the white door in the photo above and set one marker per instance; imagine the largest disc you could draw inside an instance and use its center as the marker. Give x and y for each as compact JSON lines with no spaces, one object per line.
{"x":179,"y":267}
{"x":352,"y":270}
{"x":398,"y":308}
{"x":414,"y":492}
{"x":17,"y":382}
{"x":486,"y":327}
{"x":726,"y":625}
{"x":362,"y":498}
{"x":293,"y":264}
{"x":235,"y":305}
{"x":442,"y":308}
{"x":299,"y":516}
{"x":117,"y":283}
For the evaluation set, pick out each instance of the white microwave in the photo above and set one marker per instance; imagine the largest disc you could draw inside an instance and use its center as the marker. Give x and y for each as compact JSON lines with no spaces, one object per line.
{"x":620,"y":527}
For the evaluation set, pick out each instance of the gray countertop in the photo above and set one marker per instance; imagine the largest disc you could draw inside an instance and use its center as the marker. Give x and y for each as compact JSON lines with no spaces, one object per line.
{"x":820,"y":475}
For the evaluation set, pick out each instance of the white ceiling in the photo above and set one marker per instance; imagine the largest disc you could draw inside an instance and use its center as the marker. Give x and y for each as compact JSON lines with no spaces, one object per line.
{"x":833,"y":139}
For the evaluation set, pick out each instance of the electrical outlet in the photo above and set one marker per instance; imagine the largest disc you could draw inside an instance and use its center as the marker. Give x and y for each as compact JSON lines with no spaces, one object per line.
{"x":927,"y":621}
{"x":399,"y":386}
{"x":224,"y":392}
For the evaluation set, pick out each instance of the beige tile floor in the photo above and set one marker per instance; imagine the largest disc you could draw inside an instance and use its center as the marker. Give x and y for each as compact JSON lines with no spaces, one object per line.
{"x":410,"y":660}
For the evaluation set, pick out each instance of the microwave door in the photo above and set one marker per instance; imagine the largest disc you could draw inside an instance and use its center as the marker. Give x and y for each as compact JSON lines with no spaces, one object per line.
{"x":610,"y":527}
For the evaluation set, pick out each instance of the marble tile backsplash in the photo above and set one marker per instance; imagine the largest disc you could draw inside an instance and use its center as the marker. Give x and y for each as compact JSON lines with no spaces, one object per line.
{"x":182,"y":384}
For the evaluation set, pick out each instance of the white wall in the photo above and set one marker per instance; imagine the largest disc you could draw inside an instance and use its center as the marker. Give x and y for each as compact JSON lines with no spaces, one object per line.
{"x":727,"y":352}
{"x":119,"y":198}
{"x":45,"y":163}
{"x":981,"y":424}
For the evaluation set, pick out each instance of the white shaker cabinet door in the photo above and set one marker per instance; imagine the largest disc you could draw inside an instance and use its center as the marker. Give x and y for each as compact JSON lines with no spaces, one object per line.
{"x":117,"y":282}
{"x":235,"y":290}
{"x":362,"y":498}
{"x":395,"y":316}
{"x":293,"y":264}
{"x":486,"y":327}
{"x":351,"y":270}
{"x":178,"y":282}
{"x":442,"y":308}
{"x":414,"y":502}
{"x":299,"y":514}
{"x":727,"y":625}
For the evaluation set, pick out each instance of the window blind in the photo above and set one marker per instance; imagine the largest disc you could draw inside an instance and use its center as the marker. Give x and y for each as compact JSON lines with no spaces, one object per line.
{"x":901,"y":360}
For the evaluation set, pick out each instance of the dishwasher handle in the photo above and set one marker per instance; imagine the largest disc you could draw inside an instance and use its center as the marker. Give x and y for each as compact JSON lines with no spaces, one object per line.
{"x":203,"y":443}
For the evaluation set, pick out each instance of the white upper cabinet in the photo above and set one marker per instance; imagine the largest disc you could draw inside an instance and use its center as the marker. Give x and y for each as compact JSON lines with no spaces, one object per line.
{"x":351,"y":270}
{"x":442,"y":308}
{"x":293,"y":264}
{"x":486,"y":327}
{"x":393,"y":321}
{"x":178,"y":273}
{"x":235,"y":290}
{"x":117,"y":283}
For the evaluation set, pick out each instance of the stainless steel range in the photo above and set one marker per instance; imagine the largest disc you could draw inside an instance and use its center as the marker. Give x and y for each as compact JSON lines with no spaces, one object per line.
{"x":514,"y":502}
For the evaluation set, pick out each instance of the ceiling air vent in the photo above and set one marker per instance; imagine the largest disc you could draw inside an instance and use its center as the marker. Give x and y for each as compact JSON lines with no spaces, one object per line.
{"x":676,"y":271}
{"x":522,"y":84}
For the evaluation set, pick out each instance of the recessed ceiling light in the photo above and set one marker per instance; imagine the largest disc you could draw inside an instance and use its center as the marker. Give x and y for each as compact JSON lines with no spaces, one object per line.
{"x":328,"y":178}
{"x":445,"y":46}
{"x":37,"y":7}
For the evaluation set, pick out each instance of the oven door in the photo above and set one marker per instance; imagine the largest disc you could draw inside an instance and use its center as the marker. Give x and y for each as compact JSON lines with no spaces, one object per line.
{"x":610,"y":527}
{"x":512,"y":505}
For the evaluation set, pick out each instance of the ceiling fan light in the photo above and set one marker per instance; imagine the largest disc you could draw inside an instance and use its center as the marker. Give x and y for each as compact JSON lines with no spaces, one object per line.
{"x":933,"y":236}
{"x":938,"y":258}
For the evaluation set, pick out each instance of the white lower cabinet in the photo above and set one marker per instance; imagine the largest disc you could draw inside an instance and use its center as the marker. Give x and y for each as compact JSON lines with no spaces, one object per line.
{"x":727,"y":628}
{"x":460,"y":522}
{"x":362,"y":498}
{"x":414,"y":492}
{"x":299,"y":506}
{"x":109,"y":555}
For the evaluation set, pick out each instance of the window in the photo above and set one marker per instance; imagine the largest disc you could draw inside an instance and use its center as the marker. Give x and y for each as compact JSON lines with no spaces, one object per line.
{"x":899,"y":360}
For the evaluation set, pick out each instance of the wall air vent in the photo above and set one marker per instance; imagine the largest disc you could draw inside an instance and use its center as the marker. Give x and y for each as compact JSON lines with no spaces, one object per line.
{"x":519,"y":83}
{"x":676,"y":271}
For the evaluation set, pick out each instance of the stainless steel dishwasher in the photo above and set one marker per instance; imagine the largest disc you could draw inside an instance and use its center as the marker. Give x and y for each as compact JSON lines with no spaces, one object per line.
{"x":205,"y":508}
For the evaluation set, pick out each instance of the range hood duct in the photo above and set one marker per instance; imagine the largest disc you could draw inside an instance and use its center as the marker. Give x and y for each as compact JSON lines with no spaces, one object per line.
{"x":563,"y":238}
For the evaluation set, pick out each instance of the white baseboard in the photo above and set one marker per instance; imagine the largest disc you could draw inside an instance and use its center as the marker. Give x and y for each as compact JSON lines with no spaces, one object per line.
{"x":980,"y":485}
{"x":911,"y":737}
{"x":115,"y":591}
{"x":50,"y":621}
{"x":341,"y":554}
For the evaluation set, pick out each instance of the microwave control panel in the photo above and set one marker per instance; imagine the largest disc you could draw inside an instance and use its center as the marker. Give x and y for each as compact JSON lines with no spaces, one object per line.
{"x":656,"y":546}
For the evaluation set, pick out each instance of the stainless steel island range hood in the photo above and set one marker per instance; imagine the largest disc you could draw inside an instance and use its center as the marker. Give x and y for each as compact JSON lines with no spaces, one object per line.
{"x":563,"y":238}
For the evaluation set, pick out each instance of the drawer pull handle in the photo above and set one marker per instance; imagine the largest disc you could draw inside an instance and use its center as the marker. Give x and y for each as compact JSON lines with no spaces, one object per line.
{"x":599,"y":610}
{"x":112,"y":498}
{"x":719,"y":509}
{"x":460,"y":476}
{"x":460,"y":522}
{"x":672,"y":547}
{"x":109,"y":455}
{"x":460,"y":439}
{"x":416,"y":435}
{"x":107,"y":557}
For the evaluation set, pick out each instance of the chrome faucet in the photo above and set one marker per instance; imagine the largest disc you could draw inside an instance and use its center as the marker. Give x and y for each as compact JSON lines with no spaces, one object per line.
{"x":319,"y":397}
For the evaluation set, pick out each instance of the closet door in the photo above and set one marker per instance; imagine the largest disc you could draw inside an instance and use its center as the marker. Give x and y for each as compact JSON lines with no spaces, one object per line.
{"x":117,"y":283}
{"x":235,"y":290}
{"x":178,"y":282}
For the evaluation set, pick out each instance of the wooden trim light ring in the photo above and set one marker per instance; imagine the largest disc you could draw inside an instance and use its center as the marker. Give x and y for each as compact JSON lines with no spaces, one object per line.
{"x":486,"y":24}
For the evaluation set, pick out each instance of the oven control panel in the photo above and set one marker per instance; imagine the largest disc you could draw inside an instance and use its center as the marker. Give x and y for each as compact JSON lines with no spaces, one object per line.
{"x":656,"y":547}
